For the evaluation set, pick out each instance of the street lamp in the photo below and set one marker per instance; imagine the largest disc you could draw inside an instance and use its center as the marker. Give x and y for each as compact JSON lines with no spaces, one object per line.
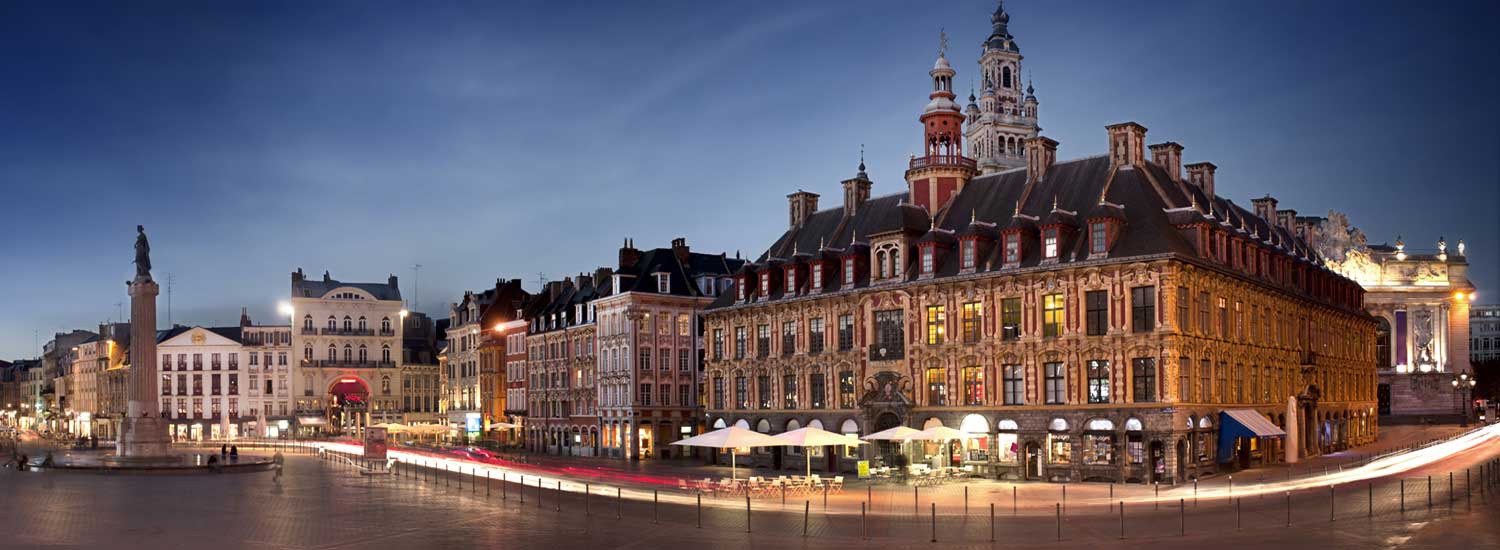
{"x":1463,"y":385}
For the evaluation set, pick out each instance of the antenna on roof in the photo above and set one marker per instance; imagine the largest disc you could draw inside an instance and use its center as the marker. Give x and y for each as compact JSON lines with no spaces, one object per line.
{"x":416,"y":275}
{"x":973,"y":215}
{"x":170,"y":280}
{"x":541,"y":281}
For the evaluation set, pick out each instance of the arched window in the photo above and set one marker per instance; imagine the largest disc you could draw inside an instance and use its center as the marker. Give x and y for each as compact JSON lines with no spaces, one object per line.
{"x":333,"y":324}
{"x":1005,"y":77}
{"x":364,"y":354}
{"x":333,"y":353}
{"x":895,"y":263}
{"x":385,"y":353}
{"x":880,"y":261}
{"x":385,"y":385}
{"x":385,"y":324}
{"x":348,"y":324}
{"x":362,"y":325}
{"x":1058,"y":425}
{"x":1382,"y":343}
{"x":348,"y":353}
{"x":307,"y":353}
{"x":307,"y":322}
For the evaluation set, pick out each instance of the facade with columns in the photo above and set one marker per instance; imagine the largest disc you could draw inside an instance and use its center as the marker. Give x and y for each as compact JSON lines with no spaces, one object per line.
{"x":1420,"y":298}
{"x":348,"y":338}
{"x":1102,"y":318}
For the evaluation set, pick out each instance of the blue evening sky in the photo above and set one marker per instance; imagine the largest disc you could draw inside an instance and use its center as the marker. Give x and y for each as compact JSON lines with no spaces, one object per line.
{"x":507,"y":139}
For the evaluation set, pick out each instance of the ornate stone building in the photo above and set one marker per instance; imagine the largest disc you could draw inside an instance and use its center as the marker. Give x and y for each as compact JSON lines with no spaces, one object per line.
{"x":563,"y":416}
{"x":472,"y":377}
{"x":1002,"y":117}
{"x":1102,"y":318}
{"x":348,"y":338}
{"x":1420,"y":299}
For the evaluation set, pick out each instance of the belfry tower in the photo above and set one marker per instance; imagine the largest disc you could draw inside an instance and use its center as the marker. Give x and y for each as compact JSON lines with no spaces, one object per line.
{"x":942,"y":170}
{"x":1004,"y":116}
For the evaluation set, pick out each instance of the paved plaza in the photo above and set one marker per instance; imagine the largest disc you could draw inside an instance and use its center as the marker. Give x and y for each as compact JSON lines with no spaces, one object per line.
{"x":322,"y":502}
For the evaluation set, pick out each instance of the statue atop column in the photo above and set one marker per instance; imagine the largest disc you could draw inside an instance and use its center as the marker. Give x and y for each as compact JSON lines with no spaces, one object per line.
{"x":142,"y":254}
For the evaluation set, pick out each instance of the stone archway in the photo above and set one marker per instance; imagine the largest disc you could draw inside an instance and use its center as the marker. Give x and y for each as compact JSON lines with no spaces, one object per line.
{"x":348,"y":403}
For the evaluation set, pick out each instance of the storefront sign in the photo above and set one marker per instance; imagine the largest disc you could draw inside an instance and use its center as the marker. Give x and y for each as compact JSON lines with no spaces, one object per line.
{"x":864,"y":469}
{"x":375,"y":444}
{"x":472,"y":423}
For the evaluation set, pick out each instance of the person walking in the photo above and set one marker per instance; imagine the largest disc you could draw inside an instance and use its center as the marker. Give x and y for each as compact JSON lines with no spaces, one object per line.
{"x":279,"y":461}
{"x":234,"y":453}
{"x":223,"y":450}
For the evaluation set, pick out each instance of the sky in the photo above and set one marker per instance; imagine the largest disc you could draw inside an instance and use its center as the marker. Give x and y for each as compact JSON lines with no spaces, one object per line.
{"x":527,"y":139}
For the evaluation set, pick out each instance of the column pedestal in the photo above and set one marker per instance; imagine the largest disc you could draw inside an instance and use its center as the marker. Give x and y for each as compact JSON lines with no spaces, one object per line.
{"x":143,"y":432}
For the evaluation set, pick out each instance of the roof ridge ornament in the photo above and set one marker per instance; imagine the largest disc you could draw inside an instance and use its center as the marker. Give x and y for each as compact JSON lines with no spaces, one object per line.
{"x":942,"y":42}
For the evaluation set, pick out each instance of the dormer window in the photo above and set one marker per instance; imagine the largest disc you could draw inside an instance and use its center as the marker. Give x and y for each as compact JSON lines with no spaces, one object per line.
{"x":740,"y":290}
{"x":966,"y":253}
{"x":1097,"y":238}
{"x":1049,"y":243}
{"x":791,"y":280}
{"x":1013,"y":248}
{"x":817,"y":277}
{"x":765,"y":285}
{"x":927,"y":259}
{"x":849,"y":271}
{"x":664,"y":283}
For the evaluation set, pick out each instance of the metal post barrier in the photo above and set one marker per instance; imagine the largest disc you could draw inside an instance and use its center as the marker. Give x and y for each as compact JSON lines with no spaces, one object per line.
{"x":445,"y":475}
{"x":1288,"y":508}
{"x":915,"y":507}
{"x":473,"y":477}
{"x":1370,"y":491}
{"x":700,"y":510}
{"x":1012,"y":500}
{"x":1059,"y":520}
{"x":1450,"y":489}
{"x":1403,"y":495}
{"x":504,"y":482}
{"x":1156,"y":501}
{"x":869,"y":496}
{"x":1231,"y":486}
{"x":521,"y":488}
{"x":1064,"y":502}
{"x":1237,"y":514}
{"x":806,"y":504}
{"x":934,"y":522}
{"x":825,"y":496}
{"x":655,"y":502}
{"x":539,"y":493}
{"x":992,"y":522}
{"x":1195,"y":492}
{"x":557,"y":502}
{"x":1331,"y":498}
{"x":1429,"y":492}
{"x":1182,"y":515}
{"x":864,"y":529}
{"x":588,"y":489}
{"x":620,"y":503}
{"x":488,"y":477}
{"x":747,"y":513}
{"x":966,"y":501}
{"x":1122,"y":521}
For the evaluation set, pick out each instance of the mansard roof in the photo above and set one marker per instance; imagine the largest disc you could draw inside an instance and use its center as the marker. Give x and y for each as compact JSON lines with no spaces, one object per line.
{"x":641,"y":276}
{"x":1150,"y":204}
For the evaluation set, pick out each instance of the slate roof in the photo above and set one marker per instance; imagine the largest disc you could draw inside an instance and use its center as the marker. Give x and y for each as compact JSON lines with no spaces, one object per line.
{"x":303,"y":287}
{"x":232,"y":333}
{"x":641,"y":276}
{"x":1144,"y":198}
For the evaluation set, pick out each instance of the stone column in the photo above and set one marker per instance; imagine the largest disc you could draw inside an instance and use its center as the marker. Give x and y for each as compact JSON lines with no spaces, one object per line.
{"x":143,"y":432}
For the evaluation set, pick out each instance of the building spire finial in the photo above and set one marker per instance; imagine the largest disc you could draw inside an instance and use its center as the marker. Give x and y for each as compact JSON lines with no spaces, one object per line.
{"x":942,"y":42}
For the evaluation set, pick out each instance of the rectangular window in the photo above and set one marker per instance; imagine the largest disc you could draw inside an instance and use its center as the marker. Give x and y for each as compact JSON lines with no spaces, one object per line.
{"x":1205,"y":381}
{"x":815,"y":335}
{"x":791,"y":281}
{"x":1049,"y":243}
{"x":1096,"y":312}
{"x":1012,"y":248}
{"x":1057,"y":392}
{"x":846,"y":389}
{"x":763,"y":387}
{"x":1221,"y":388}
{"x":817,"y":276}
{"x":719,"y":392}
{"x":665,"y":394}
{"x":645,"y":359}
{"x":684,"y":396}
{"x":1184,"y":308}
{"x":1143,"y":379}
{"x":817,"y":388}
{"x":683,"y":364}
{"x":1010,"y":319}
{"x":890,"y":334}
{"x":973,"y":385}
{"x":1052,"y":315}
{"x":718,"y":344}
{"x":789,"y":391}
{"x":1143,"y":309}
{"x":1184,"y":380}
{"x":214,"y":384}
{"x":848,"y":272}
{"x":972,"y":317}
{"x":1097,"y":242}
{"x":937,"y":320}
{"x":645,"y":396}
{"x":1098,"y":378}
{"x":846,"y":332}
{"x":741,"y":393}
{"x":1014,"y":378}
{"x":966,"y":253}
{"x":664,"y":360}
{"x":740,"y":342}
{"x":788,"y":337}
{"x":1203,"y":316}
{"x":937,"y":387}
{"x":763,"y":341}
{"x":1224,"y":319}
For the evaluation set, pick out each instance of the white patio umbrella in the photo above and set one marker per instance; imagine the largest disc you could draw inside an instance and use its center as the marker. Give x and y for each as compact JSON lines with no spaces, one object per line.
{"x":815,"y":437}
{"x":941,"y":434}
{"x":898,"y":433}
{"x":732,"y":437}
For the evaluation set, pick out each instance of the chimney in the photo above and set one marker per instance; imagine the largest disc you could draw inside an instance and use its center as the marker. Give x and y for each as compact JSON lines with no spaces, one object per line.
{"x":297,"y":276}
{"x":856,"y":191}
{"x":392,"y":281}
{"x":800,"y":207}
{"x":602,"y":275}
{"x":326,"y":278}
{"x":1169,"y":157}
{"x":244,"y":317}
{"x":1201,"y":174}
{"x":1041,"y":154}
{"x":680,"y":247}
{"x":1287,"y":219}
{"x":585,"y":280}
{"x":629,"y":255}
{"x":554,"y":288}
{"x":1265,"y":207}
{"x":1127,"y":144}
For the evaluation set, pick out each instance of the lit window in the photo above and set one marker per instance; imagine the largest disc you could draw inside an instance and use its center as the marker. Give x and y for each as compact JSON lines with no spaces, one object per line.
{"x":1052,"y":315}
{"x":927,"y":253}
{"x":966,"y":253}
{"x":664,"y":283}
{"x":1049,"y":244}
{"x":1012,"y":248}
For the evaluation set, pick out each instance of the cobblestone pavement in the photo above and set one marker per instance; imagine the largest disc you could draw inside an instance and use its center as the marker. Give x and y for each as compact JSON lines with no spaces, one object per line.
{"x":329,"y":504}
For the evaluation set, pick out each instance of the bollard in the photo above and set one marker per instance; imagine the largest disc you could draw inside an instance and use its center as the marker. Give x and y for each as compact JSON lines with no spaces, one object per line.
{"x":1237,"y":514}
{"x":1403,"y":495}
{"x":1330,"y":503}
{"x":539,"y":493}
{"x":1122,"y":520}
{"x":504,"y":480}
{"x":992,"y":522}
{"x":1450,"y":489}
{"x":1231,"y":486}
{"x":488,"y":477}
{"x":1429,"y":492}
{"x":783,"y":496}
{"x":1064,"y":503}
{"x":915,"y":507}
{"x":1370,"y":491}
{"x":588,"y":490}
{"x":864,"y":533}
{"x":966,"y":501}
{"x":934,"y":522}
{"x":1156,"y":501}
{"x":521,"y":490}
{"x":700,"y":510}
{"x":1012,"y":500}
{"x":1182,"y":515}
{"x":620,"y":504}
{"x":558,"y":501}
{"x":1059,"y":521}
{"x":1288,"y":508}
{"x":747,"y":513}
{"x":1195,"y":492}
{"x":869,"y":496}
{"x":473,"y":476}
{"x":1468,"y":494}
{"x":655,"y":500}
{"x":805,"y":505}
{"x":1111,"y":491}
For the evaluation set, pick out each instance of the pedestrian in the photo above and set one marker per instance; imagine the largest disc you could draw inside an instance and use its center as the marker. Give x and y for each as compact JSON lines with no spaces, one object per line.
{"x":21,"y":465}
{"x":278,"y":460}
{"x":47,"y":461}
{"x":234,"y":453}
{"x":223,"y":450}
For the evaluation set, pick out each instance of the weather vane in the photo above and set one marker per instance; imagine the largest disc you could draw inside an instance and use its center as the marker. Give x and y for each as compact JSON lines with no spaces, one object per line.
{"x":942,"y":42}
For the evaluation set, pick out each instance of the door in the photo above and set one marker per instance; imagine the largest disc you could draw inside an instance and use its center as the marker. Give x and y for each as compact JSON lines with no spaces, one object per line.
{"x":1158,"y":462}
{"x":1182,"y":460}
{"x":776,"y":458}
{"x":1383,"y":396}
{"x":1033,"y":461}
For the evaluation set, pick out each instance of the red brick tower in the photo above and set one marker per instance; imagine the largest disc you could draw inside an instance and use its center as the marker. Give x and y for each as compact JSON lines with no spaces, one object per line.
{"x":942,"y":170}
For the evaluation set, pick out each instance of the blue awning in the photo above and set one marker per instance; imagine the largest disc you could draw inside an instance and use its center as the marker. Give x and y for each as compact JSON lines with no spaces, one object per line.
{"x":1237,"y":423}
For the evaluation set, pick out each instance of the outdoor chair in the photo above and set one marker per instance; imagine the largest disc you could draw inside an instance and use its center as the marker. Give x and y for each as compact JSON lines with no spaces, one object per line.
{"x":836,"y":485}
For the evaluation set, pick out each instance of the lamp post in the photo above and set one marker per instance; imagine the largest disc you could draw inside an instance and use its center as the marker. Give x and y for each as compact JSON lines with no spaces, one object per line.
{"x":1463,"y":385}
